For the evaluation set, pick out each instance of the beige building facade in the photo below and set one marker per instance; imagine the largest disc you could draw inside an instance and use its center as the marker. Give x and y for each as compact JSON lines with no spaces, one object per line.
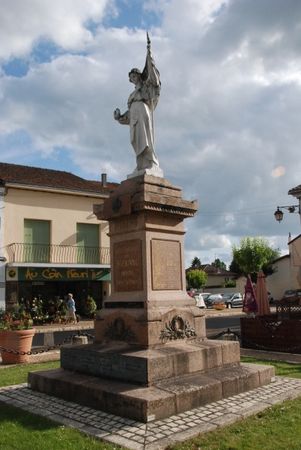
{"x":280,"y":280}
{"x":287,"y":273}
{"x":51,"y":243}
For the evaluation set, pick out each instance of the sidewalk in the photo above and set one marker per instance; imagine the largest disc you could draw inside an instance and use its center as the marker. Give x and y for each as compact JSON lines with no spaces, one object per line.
{"x":156,"y":435}
{"x":211,"y":313}
{"x":52,"y":328}
{"x":292,"y":358}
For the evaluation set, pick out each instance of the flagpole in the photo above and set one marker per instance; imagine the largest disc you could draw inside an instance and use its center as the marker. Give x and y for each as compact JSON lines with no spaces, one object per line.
{"x":148,"y":47}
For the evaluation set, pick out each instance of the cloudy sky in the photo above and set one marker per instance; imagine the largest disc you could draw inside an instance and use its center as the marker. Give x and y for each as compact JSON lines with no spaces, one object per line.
{"x":228,"y":122}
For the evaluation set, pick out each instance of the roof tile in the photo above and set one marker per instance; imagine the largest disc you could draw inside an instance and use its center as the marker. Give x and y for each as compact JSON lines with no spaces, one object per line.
{"x":35,"y":176}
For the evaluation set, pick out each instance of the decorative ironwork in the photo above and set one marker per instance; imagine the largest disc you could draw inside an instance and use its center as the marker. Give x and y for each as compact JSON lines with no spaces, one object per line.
{"x":272,"y":325}
{"x":48,"y":348}
{"x":21,"y":252}
{"x":289,"y":309}
{"x":117,"y":330}
{"x":271,"y":333}
{"x":177,"y":328}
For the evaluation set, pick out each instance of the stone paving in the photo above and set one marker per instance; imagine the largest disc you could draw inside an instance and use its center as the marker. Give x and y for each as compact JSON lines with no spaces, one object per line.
{"x":160,"y":433}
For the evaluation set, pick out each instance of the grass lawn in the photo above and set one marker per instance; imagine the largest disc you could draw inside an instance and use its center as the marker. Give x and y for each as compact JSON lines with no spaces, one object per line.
{"x":23,"y":431}
{"x":18,"y":374}
{"x":20,"y":430}
{"x":276,"y":428}
{"x":283,"y":369}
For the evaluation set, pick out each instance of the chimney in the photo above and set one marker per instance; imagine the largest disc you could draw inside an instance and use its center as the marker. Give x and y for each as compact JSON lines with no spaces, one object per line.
{"x":104,"y":179}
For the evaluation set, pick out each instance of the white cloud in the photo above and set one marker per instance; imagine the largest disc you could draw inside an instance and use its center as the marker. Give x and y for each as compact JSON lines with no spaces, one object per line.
{"x":24,"y":22}
{"x":279,"y":171}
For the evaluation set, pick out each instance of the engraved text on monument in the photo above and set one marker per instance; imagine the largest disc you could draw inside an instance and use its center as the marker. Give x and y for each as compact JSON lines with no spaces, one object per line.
{"x":128,"y":266}
{"x":166,"y":264}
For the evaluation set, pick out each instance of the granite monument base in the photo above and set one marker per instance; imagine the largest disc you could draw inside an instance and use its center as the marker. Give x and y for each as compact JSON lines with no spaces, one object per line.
{"x":150,"y":384}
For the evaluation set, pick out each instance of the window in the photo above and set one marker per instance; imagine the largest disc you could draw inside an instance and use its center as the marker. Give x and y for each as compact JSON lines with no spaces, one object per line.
{"x":87,"y":239}
{"x":36,"y":240}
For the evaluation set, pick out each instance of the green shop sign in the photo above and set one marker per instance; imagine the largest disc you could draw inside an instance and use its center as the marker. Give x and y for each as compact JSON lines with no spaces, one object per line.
{"x":62,"y":274}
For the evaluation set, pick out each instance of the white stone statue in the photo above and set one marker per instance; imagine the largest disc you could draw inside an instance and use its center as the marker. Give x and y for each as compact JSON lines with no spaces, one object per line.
{"x":139,"y":116}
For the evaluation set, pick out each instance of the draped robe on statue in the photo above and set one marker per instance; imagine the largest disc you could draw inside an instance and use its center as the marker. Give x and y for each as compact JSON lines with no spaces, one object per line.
{"x":141,"y":104}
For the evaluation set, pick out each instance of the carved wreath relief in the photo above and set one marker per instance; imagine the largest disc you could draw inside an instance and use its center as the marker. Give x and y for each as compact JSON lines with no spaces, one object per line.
{"x":177,"y":328}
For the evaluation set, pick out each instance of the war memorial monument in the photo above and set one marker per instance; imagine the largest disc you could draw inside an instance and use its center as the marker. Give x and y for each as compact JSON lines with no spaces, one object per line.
{"x":150,"y":358}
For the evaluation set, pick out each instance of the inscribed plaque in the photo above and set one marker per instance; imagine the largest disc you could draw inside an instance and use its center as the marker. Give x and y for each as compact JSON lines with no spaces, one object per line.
{"x":166,"y":265}
{"x":128,"y":266}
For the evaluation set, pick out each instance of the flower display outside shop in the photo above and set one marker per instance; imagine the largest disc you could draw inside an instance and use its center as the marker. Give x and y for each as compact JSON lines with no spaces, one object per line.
{"x":15,"y":320}
{"x":38,"y":311}
{"x":43,"y":312}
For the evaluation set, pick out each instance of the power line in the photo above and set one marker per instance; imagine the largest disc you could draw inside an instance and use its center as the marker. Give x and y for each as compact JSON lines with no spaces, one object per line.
{"x":240,"y":212}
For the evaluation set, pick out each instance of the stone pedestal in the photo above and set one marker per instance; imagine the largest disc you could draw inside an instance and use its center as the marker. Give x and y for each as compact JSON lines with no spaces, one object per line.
{"x":148,"y":304}
{"x":150,"y":358}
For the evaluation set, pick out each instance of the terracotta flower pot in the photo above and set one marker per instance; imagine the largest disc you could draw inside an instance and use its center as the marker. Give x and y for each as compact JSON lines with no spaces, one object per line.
{"x":219,"y":306}
{"x":18,"y":340}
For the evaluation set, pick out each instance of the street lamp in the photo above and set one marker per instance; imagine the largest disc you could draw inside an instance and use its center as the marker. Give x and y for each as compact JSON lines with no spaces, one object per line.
{"x":278,"y":214}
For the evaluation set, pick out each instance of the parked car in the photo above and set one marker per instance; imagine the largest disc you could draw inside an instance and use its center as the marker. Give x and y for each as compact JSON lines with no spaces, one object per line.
{"x":213,"y":299}
{"x":292,"y":295}
{"x":292,"y":292}
{"x":205,"y":295}
{"x":233,"y":300}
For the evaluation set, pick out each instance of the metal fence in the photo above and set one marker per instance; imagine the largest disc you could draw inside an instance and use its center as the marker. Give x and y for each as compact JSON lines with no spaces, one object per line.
{"x":42,"y":253}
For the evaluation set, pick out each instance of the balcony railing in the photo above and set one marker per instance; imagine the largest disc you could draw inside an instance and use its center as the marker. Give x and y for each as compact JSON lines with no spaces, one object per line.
{"x":57,"y":254}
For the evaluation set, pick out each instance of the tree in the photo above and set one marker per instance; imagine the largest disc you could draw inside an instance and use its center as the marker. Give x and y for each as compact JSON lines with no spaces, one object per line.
{"x":235,"y":268}
{"x":219,"y":264}
{"x":252,"y":255}
{"x":196,"y":278}
{"x":196,"y":263}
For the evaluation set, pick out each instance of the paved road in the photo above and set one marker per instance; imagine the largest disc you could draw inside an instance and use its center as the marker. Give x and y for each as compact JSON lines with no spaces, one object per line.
{"x":216,"y":321}
{"x":215,"y":325}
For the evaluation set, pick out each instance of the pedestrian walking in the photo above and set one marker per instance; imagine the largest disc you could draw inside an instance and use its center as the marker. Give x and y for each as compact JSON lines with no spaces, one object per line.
{"x":71,"y":308}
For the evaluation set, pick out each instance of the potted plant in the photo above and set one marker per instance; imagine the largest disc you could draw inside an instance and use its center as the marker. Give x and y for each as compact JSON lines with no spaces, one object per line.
{"x":219,"y":306}
{"x":90,"y":307}
{"x":16,"y":335}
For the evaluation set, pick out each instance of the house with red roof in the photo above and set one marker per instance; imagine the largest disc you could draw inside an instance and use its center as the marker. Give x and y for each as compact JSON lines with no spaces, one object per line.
{"x":51,"y":243}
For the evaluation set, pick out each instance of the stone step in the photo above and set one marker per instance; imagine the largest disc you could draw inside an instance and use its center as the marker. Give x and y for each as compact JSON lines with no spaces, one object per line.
{"x":159,"y":401}
{"x":119,"y":361}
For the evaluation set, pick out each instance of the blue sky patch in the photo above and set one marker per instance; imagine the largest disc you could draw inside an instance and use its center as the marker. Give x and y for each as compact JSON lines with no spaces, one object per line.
{"x":133,"y":15}
{"x":16,"y":67}
{"x":45,"y":51}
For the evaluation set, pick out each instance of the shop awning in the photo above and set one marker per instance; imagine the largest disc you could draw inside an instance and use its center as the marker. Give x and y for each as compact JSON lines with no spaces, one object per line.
{"x":105,"y":277}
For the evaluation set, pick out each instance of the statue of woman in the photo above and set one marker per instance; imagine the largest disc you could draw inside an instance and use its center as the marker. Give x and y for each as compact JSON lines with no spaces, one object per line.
{"x":141,"y":104}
